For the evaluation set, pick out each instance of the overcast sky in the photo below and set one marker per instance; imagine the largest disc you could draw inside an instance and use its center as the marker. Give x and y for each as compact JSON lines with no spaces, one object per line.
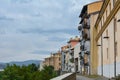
{"x":32,"y":29}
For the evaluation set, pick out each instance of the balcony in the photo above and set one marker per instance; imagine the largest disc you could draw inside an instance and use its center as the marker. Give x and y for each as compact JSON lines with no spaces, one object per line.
{"x":82,"y":47}
{"x":81,"y":58}
{"x":85,"y":23}
{"x":86,"y":36}
{"x":80,"y":28}
{"x":87,"y":52}
{"x":87,"y":46}
{"x":86,"y":26}
{"x":86,"y":64}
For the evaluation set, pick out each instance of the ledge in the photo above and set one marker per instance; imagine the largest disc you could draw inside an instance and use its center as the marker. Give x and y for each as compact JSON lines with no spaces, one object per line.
{"x":68,"y":76}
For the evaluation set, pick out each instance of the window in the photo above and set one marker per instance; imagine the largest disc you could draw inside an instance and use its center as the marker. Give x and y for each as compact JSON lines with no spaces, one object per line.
{"x":103,"y":19}
{"x":59,"y":59}
{"x":107,"y":54}
{"x":106,"y":13}
{"x":110,"y":6}
{"x":114,"y":1}
{"x":115,"y":24}
{"x":107,"y":33}
{"x":101,"y":23}
{"x":59,"y":64}
{"x":116,"y":53}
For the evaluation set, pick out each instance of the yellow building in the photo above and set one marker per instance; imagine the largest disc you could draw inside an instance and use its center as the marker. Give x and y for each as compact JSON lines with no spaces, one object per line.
{"x":54,"y":60}
{"x":107,"y":44}
{"x":88,"y":17}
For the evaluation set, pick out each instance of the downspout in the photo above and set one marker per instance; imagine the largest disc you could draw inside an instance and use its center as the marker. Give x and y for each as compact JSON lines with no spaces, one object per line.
{"x":114,"y":43}
{"x":101,"y":56}
{"x":101,"y":53}
{"x":114,"y":49}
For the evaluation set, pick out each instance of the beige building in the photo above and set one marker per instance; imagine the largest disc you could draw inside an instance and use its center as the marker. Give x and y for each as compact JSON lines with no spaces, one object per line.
{"x":47,"y":61}
{"x":107,"y":29}
{"x":88,"y":17}
{"x":54,"y":60}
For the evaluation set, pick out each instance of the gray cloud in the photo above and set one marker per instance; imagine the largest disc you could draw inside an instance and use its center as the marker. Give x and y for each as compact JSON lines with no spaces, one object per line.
{"x":5,"y":18}
{"x":41,"y":52}
{"x":30,"y":29}
{"x":39,"y":31}
{"x":21,"y":1}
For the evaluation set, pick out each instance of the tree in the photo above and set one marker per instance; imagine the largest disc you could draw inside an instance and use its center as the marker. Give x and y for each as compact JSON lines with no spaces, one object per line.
{"x":48,"y":73}
{"x":30,"y":72}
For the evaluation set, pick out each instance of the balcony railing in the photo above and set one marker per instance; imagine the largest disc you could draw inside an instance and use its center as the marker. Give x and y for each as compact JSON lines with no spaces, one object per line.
{"x":86,"y":26}
{"x":80,"y":28}
{"x":82,"y":47}
{"x":86,"y":36}
{"x":87,"y":52}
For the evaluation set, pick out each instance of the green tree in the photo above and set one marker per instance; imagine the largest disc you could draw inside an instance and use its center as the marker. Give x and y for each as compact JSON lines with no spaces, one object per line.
{"x":30,"y":72}
{"x":48,"y":73}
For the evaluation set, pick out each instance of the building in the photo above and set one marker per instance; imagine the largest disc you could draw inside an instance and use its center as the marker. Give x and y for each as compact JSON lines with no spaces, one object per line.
{"x":107,"y":38}
{"x":77,"y":58}
{"x":47,"y":61}
{"x":68,"y":64}
{"x":71,"y":45}
{"x":54,"y":60}
{"x":42,"y":63}
{"x":64,"y":58}
{"x":88,"y":17}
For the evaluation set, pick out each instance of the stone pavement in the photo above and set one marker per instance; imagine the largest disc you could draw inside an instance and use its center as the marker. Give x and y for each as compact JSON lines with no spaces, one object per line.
{"x":79,"y":77}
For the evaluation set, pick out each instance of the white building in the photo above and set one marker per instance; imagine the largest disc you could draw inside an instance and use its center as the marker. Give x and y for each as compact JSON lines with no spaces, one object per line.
{"x":77,"y":58}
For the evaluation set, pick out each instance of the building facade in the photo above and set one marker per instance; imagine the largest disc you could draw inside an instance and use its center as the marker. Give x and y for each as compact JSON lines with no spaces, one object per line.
{"x":107,"y":37}
{"x":71,"y":46}
{"x":68,"y":60}
{"x":77,"y":58}
{"x":88,"y":17}
{"x":54,"y":60}
{"x":64,"y":58}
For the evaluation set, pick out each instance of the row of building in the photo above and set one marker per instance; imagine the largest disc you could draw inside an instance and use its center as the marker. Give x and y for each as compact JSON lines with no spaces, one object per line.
{"x":97,"y":49}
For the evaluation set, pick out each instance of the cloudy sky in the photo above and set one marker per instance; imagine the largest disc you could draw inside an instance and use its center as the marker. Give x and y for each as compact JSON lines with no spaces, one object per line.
{"x":32,"y":29}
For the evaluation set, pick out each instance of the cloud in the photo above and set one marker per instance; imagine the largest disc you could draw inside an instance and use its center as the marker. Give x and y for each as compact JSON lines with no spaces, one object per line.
{"x":21,"y":1}
{"x":6,"y":18}
{"x":39,"y":31}
{"x":41,"y":52}
{"x":31,"y":29}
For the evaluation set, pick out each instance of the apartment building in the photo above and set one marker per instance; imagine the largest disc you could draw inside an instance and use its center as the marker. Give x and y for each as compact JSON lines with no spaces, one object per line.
{"x":107,"y":38}
{"x":54,"y":60}
{"x":68,"y":61}
{"x":88,"y":17}
{"x":77,"y":50}
{"x":47,"y":61}
{"x":64,"y":58}
{"x":71,"y":45}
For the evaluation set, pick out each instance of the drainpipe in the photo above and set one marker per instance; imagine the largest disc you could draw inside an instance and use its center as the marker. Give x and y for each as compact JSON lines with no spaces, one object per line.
{"x":114,"y":49}
{"x":101,"y":56}
{"x":114,"y":43}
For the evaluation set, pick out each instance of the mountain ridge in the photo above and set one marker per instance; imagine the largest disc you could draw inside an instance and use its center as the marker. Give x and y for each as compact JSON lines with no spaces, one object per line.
{"x":20,"y":63}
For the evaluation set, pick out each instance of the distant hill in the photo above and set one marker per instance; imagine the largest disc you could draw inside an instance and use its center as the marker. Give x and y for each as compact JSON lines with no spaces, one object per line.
{"x":2,"y":65}
{"x":20,"y":63}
